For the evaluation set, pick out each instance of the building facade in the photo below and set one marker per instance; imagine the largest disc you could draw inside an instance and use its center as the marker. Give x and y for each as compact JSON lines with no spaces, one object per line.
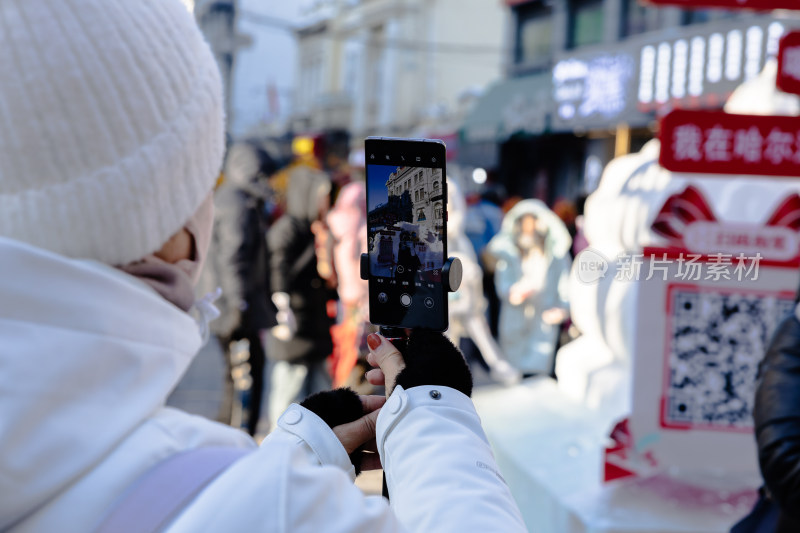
{"x":217,"y":20}
{"x":424,"y":186}
{"x":392,"y":67}
{"x":587,"y":80}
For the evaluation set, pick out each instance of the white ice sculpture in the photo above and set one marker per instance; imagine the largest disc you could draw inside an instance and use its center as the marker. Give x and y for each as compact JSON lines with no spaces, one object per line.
{"x":596,"y":368}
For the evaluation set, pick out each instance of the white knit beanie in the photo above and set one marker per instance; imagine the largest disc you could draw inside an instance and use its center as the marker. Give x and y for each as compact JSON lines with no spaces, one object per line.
{"x":111,"y":124}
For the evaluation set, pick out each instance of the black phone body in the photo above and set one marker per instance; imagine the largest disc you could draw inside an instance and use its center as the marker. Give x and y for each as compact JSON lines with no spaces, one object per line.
{"x":406,"y":232}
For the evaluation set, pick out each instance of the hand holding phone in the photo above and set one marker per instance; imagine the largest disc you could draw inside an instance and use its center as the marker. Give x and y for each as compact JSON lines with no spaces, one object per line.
{"x":429,"y":358}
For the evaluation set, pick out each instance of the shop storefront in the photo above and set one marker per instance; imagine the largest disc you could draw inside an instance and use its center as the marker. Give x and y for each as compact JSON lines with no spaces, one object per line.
{"x":548,"y":135}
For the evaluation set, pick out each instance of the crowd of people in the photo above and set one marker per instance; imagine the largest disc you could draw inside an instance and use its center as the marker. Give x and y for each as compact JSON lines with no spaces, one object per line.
{"x":107,"y":195}
{"x":288,"y":237}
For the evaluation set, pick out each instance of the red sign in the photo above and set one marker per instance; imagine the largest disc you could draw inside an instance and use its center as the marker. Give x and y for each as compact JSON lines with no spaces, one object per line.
{"x":730,"y":4}
{"x":789,"y":63}
{"x":713,"y":142}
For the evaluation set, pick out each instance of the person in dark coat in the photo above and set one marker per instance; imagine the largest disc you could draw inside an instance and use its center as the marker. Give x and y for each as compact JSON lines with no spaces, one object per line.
{"x":301,"y":341}
{"x":239,"y":265}
{"x":408,"y":259}
{"x":777,"y":421}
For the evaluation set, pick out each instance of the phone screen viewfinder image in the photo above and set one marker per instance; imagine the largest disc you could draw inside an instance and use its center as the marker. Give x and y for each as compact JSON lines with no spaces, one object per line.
{"x":406,"y":232}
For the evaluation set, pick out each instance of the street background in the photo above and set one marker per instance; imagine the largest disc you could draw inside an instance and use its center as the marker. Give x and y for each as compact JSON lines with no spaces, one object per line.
{"x":629,"y":246}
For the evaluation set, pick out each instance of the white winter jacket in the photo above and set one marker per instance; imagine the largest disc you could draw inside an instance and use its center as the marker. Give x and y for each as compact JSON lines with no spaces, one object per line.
{"x":88,"y":356}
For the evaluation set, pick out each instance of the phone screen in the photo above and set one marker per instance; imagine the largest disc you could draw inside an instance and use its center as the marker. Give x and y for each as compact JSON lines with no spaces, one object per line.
{"x":406,"y":222}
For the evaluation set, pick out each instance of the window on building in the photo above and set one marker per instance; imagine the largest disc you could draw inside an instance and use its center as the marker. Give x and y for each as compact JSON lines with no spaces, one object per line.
{"x":438,"y":211}
{"x":435,"y":187}
{"x":416,"y":196}
{"x":374,"y":75}
{"x":637,"y":18}
{"x":587,"y":22}
{"x":701,"y":16}
{"x":350,"y":72}
{"x":534,"y":35}
{"x":421,"y":215}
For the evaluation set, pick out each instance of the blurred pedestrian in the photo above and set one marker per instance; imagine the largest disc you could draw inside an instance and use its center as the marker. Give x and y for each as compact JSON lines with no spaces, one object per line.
{"x":579,"y":242}
{"x":301,"y":341}
{"x":467,"y":306}
{"x":348,"y":225}
{"x":110,"y":149}
{"x":532,"y":252}
{"x":332,"y":150}
{"x":567,"y":212}
{"x":489,"y":204}
{"x":482,"y":221}
{"x":239,"y":265}
{"x":777,"y":426}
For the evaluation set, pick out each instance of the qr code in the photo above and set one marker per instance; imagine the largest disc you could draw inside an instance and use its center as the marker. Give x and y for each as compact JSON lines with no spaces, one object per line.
{"x":716,"y":341}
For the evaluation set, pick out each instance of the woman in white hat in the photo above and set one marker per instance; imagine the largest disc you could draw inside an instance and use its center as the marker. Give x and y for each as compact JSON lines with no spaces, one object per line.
{"x":111,"y":139}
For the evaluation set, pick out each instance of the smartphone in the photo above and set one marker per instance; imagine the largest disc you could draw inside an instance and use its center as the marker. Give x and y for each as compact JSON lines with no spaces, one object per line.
{"x":406,"y":232}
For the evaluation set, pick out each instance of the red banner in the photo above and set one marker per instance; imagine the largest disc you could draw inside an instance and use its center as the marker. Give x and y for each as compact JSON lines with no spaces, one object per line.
{"x":730,"y":4}
{"x":789,"y":63}
{"x":713,"y":142}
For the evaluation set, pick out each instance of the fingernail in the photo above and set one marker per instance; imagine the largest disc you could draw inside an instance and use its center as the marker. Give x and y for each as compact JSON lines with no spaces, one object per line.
{"x":373,"y":341}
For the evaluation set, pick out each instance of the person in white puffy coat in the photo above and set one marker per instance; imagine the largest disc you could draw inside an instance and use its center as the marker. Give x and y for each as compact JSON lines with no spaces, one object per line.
{"x":532,"y":252}
{"x":111,"y":141}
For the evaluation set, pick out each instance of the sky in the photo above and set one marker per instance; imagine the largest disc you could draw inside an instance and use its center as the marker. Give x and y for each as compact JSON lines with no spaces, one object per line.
{"x":376,"y":186}
{"x":271,"y":59}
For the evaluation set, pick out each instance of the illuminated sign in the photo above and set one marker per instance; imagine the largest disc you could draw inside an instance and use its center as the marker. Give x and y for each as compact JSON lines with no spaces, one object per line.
{"x":684,"y":70}
{"x":789,"y":64}
{"x":585,"y":88}
{"x":696,"y":69}
{"x":730,"y":4}
{"x":713,"y":142}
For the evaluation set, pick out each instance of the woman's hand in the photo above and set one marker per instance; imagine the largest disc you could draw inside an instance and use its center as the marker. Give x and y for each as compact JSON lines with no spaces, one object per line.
{"x":430,"y":359}
{"x":518,"y":294}
{"x":554,"y":316}
{"x":360,"y":433}
{"x":388,"y":360}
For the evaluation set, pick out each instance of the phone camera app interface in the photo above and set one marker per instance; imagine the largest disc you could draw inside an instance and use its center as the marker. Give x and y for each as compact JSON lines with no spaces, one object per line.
{"x":406,"y":210}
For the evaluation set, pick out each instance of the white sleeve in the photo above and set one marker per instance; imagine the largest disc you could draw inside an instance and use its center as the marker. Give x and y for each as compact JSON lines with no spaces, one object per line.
{"x":439,"y":467}
{"x":319,"y":490}
{"x":299,"y":481}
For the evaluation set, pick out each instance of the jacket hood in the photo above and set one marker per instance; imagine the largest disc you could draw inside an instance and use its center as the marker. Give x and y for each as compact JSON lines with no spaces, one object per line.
{"x":306,"y":187}
{"x":87,"y":353}
{"x":557,"y":243}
